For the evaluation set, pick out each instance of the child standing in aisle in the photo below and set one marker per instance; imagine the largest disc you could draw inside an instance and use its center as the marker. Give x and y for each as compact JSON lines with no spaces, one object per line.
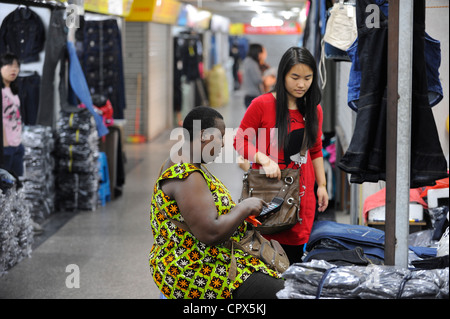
{"x":13,"y":150}
{"x":293,"y":109}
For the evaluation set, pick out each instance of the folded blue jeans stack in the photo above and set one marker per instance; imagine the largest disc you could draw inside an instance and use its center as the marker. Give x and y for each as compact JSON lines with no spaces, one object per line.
{"x":329,"y":236}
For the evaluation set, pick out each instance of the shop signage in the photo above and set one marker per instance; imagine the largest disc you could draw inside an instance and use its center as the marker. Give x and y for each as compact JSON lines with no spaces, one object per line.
{"x":114,"y":7}
{"x":286,"y":28}
{"x":160,"y":11}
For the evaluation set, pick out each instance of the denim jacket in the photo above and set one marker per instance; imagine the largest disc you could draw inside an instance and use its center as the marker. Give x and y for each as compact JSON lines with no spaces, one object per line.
{"x":22,"y":33}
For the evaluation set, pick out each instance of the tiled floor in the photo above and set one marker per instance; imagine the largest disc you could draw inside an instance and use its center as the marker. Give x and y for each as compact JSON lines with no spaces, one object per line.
{"x":109,"y":247}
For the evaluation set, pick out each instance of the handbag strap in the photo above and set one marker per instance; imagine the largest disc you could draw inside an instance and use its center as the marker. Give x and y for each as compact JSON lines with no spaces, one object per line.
{"x":304,"y":147}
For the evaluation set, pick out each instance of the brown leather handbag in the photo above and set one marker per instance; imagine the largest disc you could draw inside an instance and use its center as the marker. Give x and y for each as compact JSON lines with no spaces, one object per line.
{"x":268,"y":251}
{"x":256,"y":184}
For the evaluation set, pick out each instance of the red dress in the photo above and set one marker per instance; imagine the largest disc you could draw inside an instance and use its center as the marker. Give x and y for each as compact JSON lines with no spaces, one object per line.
{"x":261,"y":114}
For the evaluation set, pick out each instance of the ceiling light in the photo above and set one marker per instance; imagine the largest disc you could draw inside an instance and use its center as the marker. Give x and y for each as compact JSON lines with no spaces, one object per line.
{"x":264,"y":21}
{"x":287,"y":14}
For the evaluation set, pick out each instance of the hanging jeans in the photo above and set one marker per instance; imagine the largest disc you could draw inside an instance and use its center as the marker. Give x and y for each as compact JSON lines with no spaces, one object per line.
{"x":55,"y":52}
{"x":28,"y":87}
{"x":101,"y":59}
{"x":365,"y":158}
{"x":432,"y":59}
{"x":13,"y":159}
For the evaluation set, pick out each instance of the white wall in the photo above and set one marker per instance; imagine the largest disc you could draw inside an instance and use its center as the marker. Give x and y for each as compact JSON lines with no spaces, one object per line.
{"x":160,"y":79}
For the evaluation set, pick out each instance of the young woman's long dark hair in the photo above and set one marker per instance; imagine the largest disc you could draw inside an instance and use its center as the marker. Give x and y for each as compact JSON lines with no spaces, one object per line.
{"x":7,"y":59}
{"x":307,"y":105}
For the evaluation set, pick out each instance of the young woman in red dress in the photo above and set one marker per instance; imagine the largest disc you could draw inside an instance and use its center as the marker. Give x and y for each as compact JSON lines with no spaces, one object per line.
{"x":292,"y":108}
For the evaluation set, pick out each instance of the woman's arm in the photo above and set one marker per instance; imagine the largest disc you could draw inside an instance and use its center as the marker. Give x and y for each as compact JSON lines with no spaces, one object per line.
{"x":322,"y":194}
{"x":5,"y":142}
{"x":197,"y":207}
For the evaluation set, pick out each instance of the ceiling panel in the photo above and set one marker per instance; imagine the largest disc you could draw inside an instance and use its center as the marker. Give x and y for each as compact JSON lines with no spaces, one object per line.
{"x":244,"y":10}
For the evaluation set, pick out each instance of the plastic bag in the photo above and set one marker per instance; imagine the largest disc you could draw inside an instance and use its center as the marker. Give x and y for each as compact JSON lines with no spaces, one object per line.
{"x":443,"y":245}
{"x":320,"y":279}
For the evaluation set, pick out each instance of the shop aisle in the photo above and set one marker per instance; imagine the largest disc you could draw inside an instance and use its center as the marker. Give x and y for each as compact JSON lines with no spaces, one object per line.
{"x":110,"y":246}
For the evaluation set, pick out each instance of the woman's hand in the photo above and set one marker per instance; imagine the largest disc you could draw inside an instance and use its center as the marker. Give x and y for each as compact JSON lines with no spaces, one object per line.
{"x":253,"y":205}
{"x":272,"y":170}
{"x":270,"y":167}
{"x":322,"y":198}
{"x":196,"y":205}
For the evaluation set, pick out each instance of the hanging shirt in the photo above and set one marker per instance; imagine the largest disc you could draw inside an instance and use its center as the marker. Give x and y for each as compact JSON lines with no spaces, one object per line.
{"x":12,"y":122}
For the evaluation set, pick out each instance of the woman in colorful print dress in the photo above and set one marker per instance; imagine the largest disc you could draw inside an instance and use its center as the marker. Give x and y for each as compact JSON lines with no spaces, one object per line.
{"x":192,"y":214}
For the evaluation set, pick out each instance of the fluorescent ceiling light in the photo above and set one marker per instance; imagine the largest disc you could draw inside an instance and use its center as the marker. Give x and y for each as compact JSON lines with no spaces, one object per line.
{"x":266,"y":21}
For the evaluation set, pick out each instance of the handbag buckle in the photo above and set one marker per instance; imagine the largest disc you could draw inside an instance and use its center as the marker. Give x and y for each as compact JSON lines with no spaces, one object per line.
{"x":289,"y":180}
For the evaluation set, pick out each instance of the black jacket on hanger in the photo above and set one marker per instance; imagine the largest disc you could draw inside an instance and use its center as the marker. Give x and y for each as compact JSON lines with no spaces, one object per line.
{"x":22,"y":33}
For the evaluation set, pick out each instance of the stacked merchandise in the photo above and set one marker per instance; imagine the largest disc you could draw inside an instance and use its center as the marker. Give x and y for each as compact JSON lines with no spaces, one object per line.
{"x":320,"y":279}
{"x":333,"y":241}
{"x":77,"y":161}
{"x":39,"y":180}
{"x":16,"y":230}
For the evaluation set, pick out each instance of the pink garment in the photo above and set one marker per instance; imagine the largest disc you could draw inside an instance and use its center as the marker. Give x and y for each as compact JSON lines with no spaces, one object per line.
{"x":12,"y":121}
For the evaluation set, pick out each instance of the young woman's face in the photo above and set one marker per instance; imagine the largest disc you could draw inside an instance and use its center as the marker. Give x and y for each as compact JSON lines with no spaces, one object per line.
{"x":298,"y":80}
{"x":10,"y":72}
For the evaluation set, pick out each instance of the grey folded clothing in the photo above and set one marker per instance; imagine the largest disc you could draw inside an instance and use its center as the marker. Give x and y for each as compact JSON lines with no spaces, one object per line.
{"x":320,"y":279}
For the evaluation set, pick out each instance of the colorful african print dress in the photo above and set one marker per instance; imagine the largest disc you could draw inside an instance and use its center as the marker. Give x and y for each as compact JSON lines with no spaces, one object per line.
{"x":181,"y":265}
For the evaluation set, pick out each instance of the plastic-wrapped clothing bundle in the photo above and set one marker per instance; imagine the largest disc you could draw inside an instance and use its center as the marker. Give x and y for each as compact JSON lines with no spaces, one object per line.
{"x":16,"y":230}
{"x":77,"y":161}
{"x":39,"y":179}
{"x":320,"y":279}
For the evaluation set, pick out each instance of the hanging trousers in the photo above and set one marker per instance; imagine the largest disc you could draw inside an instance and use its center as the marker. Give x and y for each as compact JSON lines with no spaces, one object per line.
{"x":55,"y":52}
{"x":365,"y":158}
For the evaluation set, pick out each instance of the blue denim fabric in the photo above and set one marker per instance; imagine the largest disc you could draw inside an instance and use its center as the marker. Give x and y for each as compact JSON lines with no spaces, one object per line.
{"x":101,"y":59}
{"x":13,"y":159}
{"x":433,"y":61}
{"x":424,"y":252}
{"x":55,"y":52}
{"x":371,"y":240}
{"x":354,"y":80}
{"x":376,"y":255}
{"x":23,"y":33}
{"x":333,"y":53}
{"x":365,"y":158}
{"x":81,"y":89}
{"x":28,"y":87}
